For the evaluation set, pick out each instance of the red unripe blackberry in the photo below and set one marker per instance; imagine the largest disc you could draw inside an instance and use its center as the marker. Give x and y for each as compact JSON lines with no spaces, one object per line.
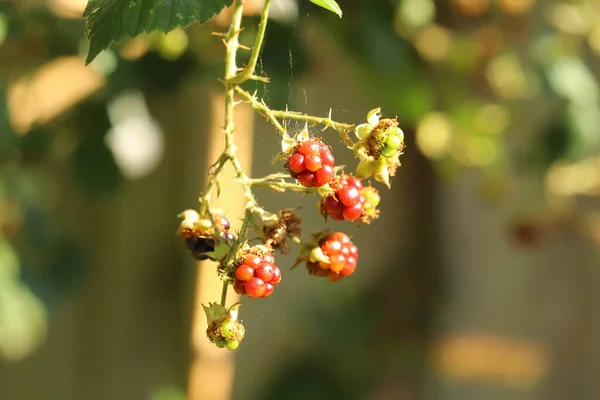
{"x":255,"y":274}
{"x":348,"y":202}
{"x":339,"y":259}
{"x":311,"y":163}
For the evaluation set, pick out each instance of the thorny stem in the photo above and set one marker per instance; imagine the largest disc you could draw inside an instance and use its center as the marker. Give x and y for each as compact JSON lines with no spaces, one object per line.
{"x":224,"y":291}
{"x":248,"y":71}
{"x":272,"y":115}
{"x":229,"y":153}
{"x":231,"y":81}
{"x":281,"y":186}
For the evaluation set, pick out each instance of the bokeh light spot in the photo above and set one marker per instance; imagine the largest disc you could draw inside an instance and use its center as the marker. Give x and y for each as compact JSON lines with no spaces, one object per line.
{"x":433,"y":135}
{"x":433,"y":43}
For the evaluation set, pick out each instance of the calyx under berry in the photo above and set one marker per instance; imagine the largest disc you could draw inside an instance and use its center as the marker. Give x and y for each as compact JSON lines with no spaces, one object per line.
{"x":281,"y":227}
{"x":200,"y":235}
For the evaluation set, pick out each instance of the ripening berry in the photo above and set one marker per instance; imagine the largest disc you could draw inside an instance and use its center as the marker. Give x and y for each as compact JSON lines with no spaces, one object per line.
{"x":337,"y":257}
{"x":256,"y":275}
{"x":311,"y":163}
{"x":349,"y":201}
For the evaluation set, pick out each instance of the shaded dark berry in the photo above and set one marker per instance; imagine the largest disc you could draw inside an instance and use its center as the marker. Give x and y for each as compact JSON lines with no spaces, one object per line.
{"x":239,"y":287}
{"x":307,"y":179}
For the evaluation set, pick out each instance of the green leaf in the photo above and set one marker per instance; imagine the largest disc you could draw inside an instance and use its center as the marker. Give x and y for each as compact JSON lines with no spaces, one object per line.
{"x":107,"y":21}
{"x":330,"y":5}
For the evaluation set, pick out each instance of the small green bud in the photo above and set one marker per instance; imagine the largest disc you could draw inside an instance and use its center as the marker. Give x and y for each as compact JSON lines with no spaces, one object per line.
{"x":394,"y":141}
{"x":389,"y":152}
{"x":232,"y":344}
{"x":227,"y":328}
{"x":371,"y":196}
{"x":364,"y":169}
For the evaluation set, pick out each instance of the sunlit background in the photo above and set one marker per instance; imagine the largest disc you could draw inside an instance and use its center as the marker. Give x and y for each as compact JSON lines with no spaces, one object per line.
{"x":479,"y":281}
